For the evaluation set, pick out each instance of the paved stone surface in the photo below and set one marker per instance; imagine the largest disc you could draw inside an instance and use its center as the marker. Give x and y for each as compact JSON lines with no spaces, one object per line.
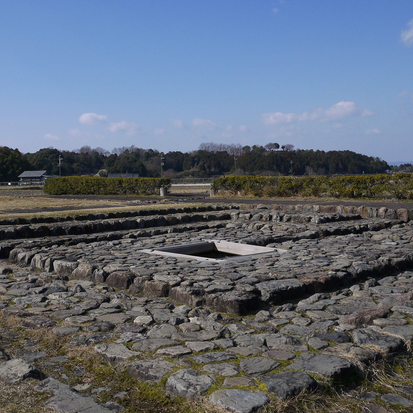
{"x":68,"y":400}
{"x":232,"y":320}
{"x":289,"y":384}
{"x":189,"y":383}
{"x":150,"y":370}
{"x":16,"y":370}
{"x":396,"y":399}
{"x":326,"y":365}
{"x":239,"y":401}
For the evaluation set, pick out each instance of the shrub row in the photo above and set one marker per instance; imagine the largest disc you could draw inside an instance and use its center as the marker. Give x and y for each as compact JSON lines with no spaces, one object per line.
{"x":93,"y":185}
{"x":398,"y":186}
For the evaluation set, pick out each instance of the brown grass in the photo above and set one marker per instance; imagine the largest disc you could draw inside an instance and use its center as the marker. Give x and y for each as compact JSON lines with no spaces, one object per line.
{"x":27,"y":206}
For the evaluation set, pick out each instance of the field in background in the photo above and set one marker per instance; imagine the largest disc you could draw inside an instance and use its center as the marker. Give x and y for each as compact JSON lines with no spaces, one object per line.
{"x":27,"y":203}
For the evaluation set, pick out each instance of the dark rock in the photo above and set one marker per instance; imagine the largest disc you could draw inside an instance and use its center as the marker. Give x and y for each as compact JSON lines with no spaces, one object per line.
{"x":187,"y":295}
{"x":365,"y":317}
{"x":338,"y":337}
{"x":101,"y":326}
{"x":329,"y":366}
{"x":156,"y":289}
{"x":385,"y":342}
{"x":115,"y":351}
{"x":120,"y":279}
{"x":38,"y":322}
{"x":66,"y":399}
{"x":16,"y":370}
{"x":280,"y":290}
{"x":212,"y":357}
{"x":84,"y":271}
{"x":234,"y":302}
{"x":150,"y":370}
{"x":188,"y":383}
{"x":289,"y":384}
{"x":258,"y":365}
{"x":396,"y":399}
{"x":223,"y":369}
{"x":239,"y":401}
{"x":89,"y":340}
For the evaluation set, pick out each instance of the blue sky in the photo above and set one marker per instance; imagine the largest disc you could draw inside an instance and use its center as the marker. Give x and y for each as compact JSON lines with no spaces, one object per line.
{"x":172,"y":74}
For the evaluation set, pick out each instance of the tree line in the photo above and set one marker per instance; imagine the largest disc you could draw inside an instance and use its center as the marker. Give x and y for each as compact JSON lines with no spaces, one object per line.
{"x":211,"y":159}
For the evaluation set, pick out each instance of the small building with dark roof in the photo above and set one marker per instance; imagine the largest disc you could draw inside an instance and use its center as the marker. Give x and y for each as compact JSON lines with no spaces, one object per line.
{"x":33,"y":177}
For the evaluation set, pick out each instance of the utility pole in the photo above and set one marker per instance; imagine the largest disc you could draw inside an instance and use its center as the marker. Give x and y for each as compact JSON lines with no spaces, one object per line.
{"x":291,"y":168}
{"x":60,"y":165}
{"x":162,"y":163}
{"x":235,"y":165}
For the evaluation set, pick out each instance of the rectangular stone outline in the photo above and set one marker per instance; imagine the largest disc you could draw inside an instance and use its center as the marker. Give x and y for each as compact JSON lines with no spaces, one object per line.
{"x":239,"y":250}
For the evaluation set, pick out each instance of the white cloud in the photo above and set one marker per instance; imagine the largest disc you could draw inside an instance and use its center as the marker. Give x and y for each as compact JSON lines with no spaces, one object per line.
{"x":128,"y":128}
{"x":278,"y":118}
{"x":373,"y":131}
{"x":275,"y":10}
{"x":77,"y":133}
{"x":366,"y":112}
{"x":51,"y":137}
{"x":177,"y":123}
{"x":159,"y":131}
{"x":244,"y":128}
{"x":407,"y":35}
{"x":92,"y":118}
{"x":202,"y":122}
{"x":340,"y":110}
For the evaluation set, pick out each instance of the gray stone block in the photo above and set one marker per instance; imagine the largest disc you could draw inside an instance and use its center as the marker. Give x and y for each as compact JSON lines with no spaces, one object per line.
{"x":258,"y":365}
{"x":239,"y":401}
{"x":326,"y":365}
{"x":289,"y":384}
{"x":150,"y":370}
{"x":16,"y":370}
{"x":188,"y":383}
{"x":385,"y":342}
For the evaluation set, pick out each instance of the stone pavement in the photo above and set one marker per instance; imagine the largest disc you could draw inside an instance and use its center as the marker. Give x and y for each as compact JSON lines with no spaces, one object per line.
{"x":236,"y":331}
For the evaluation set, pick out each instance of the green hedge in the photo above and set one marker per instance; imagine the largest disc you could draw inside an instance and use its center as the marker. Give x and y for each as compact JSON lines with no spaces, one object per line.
{"x":398,"y":186}
{"x":93,"y":185}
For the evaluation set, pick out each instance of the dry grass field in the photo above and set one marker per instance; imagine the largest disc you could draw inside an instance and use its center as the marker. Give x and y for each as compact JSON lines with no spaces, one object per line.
{"x":26,"y":203}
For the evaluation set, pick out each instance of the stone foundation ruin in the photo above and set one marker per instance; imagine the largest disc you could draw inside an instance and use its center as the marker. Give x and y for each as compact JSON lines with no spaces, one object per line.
{"x":308,"y":290}
{"x":213,"y":250}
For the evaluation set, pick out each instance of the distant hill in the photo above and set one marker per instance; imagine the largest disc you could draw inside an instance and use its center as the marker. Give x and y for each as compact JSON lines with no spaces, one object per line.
{"x":400,"y":163}
{"x":209,"y":161}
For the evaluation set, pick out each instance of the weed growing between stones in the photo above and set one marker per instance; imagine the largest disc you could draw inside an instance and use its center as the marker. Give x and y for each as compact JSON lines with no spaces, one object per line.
{"x":22,"y":398}
{"x":112,"y":379}
{"x":387,"y":376}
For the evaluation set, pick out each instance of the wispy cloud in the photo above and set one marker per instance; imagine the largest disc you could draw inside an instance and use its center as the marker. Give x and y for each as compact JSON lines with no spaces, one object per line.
{"x":407,"y":35}
{"x":244,"y":128}
{"x":275,"y":10}
{"x":51,"y":137}
{"x":77,"y":133}
{"x":373,"y":132}
{"x":202,"y":122}
{"x":340,"y":110}
{"x":128,"y":128}
{"x":92,"y":118}
{"x":177,"y":123}
{"x":159,"y":131}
